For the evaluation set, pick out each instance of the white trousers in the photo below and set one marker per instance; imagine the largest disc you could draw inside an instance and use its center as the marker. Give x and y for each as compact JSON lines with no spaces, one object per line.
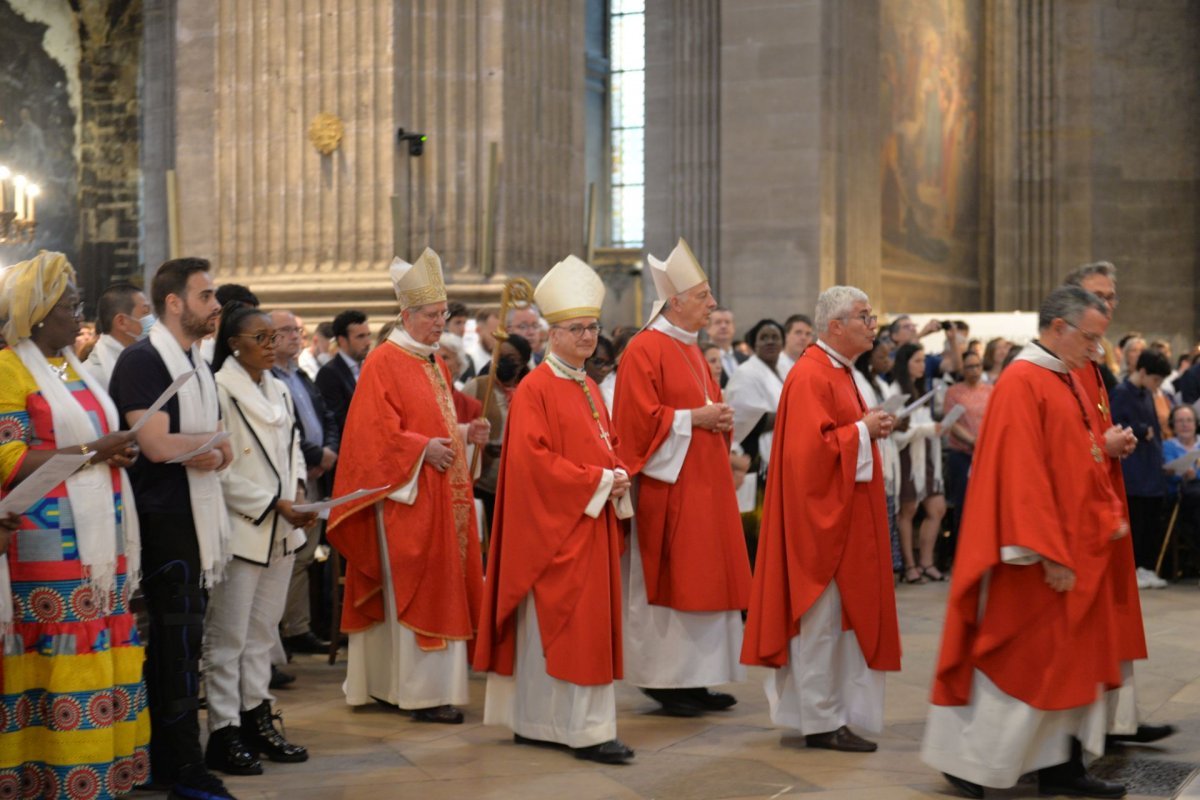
{"x":669,"y":649}
{"x":826,"y":683}
{"x":537,"y":706}
{"x":385,"y":662}
{"x":240,"y":631}
{"x":1122,"y":703}
{"x":996,"y":738}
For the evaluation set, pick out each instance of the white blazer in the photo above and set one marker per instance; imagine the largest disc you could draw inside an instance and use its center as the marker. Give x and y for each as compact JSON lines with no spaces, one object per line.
{"x":256,"y":479}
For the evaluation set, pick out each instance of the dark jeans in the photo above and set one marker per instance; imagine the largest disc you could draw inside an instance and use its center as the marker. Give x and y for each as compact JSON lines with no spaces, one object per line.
{"x":1146,"y":527}
{"x":958,"y":468}
{"x":175,"y":604}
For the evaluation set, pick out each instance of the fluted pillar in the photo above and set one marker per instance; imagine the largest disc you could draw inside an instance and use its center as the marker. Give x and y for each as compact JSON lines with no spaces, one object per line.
{"x":683,"y":127}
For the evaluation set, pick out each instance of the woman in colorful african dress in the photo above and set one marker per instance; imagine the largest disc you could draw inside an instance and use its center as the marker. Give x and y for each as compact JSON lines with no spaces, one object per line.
{"x":73,"y":718}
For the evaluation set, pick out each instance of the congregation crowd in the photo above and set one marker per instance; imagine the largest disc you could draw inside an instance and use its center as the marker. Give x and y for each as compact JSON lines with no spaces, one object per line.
{"x":560,"y":509}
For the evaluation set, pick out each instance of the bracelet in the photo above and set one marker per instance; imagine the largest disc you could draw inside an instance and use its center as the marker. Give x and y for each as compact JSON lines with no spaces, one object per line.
{"x":84,"y":450}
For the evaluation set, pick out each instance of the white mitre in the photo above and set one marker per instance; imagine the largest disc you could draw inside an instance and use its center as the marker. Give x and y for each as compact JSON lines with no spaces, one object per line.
{"x":571,"y":289}
{"x":419,"y":283}
{"x":680,"y":272}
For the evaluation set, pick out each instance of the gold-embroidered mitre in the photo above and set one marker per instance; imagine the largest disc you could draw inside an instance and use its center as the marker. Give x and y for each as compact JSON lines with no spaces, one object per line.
{"x":571,"y":289}
{"x":419,"y":283}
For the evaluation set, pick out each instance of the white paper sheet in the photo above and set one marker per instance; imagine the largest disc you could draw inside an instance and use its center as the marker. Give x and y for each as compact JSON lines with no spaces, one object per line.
{"x":42,"y":481}
{"x":167,"y":394}
{"x":326,"y":505}
{"x":914,"y":405}
{"x":952,"y":417}
{"x":894,"y":403}
{"x":1183,"y":463}
{"x":207,"y":447}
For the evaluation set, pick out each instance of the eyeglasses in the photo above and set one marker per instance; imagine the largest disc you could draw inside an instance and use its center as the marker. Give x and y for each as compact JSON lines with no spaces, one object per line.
{"x":1109,"y":298}
{"x":525,"y":327}
{"x":287,"y":330}
{"x":75,"y":311}
{"x":434,"y":315}
{"x":262,"y":339}
{"x":578,"y":331}
{"x":864,"y":318}
{"x":1093,"y":338}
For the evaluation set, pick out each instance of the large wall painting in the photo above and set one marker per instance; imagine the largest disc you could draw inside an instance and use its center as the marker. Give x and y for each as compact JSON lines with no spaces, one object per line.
{"x":930,"y":101}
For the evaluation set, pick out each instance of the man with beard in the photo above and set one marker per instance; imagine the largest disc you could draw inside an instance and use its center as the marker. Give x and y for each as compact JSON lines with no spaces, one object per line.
{"x":183,"y":520}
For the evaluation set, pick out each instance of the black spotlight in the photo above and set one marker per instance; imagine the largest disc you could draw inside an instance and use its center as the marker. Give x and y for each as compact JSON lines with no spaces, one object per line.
{"x":416,"y":141}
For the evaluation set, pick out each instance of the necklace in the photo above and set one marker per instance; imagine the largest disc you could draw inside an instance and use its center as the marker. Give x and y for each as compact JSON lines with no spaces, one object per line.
{"x":1097,"y":453}
{"x":60,"y":370}
{"x":569,"y":372}
{"x":703,"y":388}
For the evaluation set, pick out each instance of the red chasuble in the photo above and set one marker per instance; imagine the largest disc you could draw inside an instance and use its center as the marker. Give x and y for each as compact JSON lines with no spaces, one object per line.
{"x":819,"y":524}
{"x":552,"y":461}
{"x":402,"y":401}
{"x":1038,"y":481}
{"x":689,"y":533}
{"x":1131,"y":641}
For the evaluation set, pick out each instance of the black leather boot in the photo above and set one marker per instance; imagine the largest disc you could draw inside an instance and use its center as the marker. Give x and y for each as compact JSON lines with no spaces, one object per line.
{"x":260,"y":735}
{"x":227,"y":753}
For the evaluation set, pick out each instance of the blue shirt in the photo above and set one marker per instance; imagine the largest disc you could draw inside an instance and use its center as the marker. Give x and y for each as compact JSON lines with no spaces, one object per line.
{"x":1134,"y":406}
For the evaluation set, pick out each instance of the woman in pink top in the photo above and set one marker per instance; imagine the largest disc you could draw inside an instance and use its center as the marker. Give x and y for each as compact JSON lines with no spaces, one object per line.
{"x":972,"y":393}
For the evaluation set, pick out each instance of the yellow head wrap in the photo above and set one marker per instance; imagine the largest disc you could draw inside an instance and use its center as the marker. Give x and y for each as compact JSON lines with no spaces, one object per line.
{"x":29,"y":290}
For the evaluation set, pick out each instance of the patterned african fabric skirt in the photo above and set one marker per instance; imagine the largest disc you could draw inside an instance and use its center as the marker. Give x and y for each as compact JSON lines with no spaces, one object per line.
{"x":73,"y":716}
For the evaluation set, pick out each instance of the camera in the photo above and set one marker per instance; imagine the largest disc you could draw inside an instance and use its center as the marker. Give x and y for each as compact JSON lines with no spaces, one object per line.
{"x":416,"y":141}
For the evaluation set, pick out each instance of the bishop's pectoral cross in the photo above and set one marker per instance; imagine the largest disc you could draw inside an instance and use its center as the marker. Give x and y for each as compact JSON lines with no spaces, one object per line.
{"x":604,"y":436}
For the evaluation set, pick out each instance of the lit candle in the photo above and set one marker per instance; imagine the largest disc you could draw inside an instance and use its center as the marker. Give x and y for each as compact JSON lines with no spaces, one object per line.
{"x":30,"y":196}
{"x":19,"y":196}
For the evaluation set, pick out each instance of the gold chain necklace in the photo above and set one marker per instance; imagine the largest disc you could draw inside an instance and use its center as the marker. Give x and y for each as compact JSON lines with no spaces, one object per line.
{"x":567,"y":371}
{"x":703,"y":387}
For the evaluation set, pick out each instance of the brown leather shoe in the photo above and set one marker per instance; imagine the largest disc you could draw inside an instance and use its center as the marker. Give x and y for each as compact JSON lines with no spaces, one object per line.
{"x":842,"y":739}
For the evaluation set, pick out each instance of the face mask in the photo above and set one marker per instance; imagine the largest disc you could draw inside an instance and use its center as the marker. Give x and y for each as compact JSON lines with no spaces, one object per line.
{"x":147,"y":323}
{"x":506,"y":370}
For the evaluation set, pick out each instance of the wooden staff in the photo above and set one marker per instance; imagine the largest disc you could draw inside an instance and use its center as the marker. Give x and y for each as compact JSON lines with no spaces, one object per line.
{"x":518,"y":293}
{"x":1170,"y":529}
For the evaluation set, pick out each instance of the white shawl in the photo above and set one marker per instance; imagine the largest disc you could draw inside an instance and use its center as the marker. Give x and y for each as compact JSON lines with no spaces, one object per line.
{"x":198,"y":413}
{"x":89,"y":490}
{"x":753,"y":392}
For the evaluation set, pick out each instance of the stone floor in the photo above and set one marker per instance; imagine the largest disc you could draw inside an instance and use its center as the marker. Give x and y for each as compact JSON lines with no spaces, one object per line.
{"x":377,"y":753}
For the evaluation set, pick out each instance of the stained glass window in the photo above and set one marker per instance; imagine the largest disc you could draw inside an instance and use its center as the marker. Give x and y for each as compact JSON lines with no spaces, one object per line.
{"x":628,"y":121}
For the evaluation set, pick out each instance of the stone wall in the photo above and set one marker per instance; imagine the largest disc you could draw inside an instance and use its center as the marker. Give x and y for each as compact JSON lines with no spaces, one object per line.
{"x":110,"y":34}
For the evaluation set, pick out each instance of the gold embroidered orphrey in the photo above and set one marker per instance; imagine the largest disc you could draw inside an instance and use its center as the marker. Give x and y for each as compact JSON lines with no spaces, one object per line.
{"x":325,"y":132}
{"x":433,"y":290}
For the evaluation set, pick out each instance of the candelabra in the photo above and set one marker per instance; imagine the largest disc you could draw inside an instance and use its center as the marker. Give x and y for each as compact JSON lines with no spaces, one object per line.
{"x":18,"y":214}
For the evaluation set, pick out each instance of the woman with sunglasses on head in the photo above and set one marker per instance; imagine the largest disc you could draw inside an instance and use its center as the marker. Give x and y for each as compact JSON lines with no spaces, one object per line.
{"x":260,"y":487}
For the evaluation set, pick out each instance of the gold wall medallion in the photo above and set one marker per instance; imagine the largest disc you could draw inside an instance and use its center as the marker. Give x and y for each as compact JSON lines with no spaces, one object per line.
{"x":325,"y":132}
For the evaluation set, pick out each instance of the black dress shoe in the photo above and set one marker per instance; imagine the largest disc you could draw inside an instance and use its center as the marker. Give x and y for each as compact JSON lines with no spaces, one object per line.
{"x":446,"y":715}
{"x":967,"y":788}
{"x":842,"y":739}
{"x":610,"y":752}
{"x":226,"y":752}
{"x":712,"y":701}
{"x":306,"y":643}
{"x":261,"y":736}
{"x":676,"y":702}
{"x":1082,"y":786}
{"x":281,"y":679}
{"x":1145,"y":734}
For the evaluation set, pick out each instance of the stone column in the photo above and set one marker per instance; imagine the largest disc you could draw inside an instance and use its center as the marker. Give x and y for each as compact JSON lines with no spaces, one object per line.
{"x":770,"y":156}
{"x":158,"y":129}
{"x":683,"y":130}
